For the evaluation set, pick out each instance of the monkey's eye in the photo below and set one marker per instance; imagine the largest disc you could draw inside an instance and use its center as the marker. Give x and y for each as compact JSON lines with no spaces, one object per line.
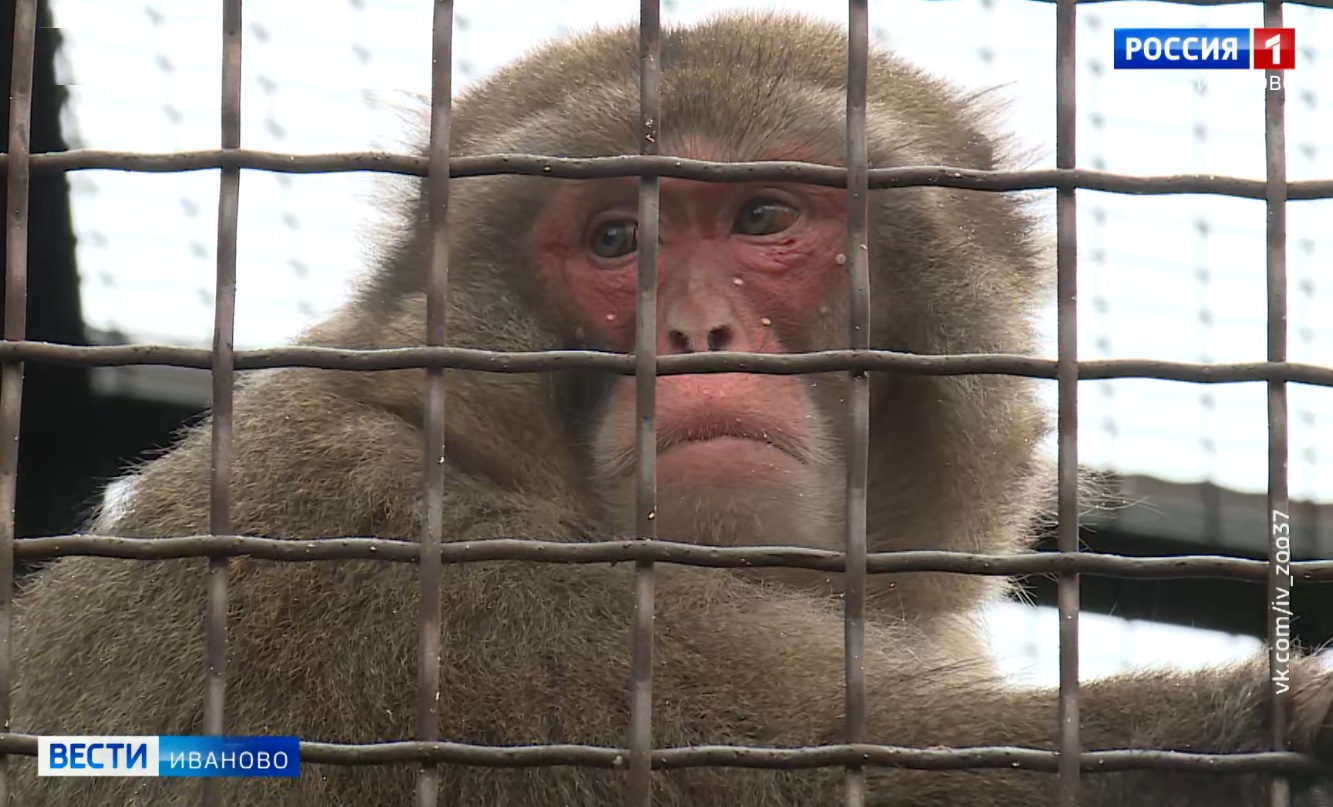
{"x":764,"y":217}
{"x":613,"y":239}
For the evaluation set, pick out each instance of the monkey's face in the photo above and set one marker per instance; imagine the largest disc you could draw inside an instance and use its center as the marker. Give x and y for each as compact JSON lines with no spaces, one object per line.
{"x":742,"y":458}
{"x":755,"y":267}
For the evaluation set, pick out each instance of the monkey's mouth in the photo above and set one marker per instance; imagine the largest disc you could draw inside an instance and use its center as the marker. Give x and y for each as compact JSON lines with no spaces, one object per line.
{"x":699,"y":432}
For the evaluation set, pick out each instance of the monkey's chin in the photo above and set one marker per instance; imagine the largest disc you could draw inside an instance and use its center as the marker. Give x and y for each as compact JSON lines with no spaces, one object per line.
{"x":731,"y":491}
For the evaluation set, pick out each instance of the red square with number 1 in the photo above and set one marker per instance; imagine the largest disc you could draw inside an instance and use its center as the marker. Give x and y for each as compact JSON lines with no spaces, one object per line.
{"x":1274,"y":48}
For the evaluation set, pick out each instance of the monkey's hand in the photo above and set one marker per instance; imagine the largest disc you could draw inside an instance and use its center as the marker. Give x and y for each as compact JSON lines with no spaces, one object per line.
{"x":1311,"y":726}
{"x":1215,"y":711}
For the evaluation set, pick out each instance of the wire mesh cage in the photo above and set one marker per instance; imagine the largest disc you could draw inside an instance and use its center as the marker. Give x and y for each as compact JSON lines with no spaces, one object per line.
{"x":856,"y":752}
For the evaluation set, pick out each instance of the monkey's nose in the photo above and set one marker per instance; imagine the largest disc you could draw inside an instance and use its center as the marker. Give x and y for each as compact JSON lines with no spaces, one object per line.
{"x":718,"y":338}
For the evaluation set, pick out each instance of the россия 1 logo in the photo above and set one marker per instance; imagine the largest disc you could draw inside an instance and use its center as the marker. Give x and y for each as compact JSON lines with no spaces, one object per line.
{"x":1205,"y":48}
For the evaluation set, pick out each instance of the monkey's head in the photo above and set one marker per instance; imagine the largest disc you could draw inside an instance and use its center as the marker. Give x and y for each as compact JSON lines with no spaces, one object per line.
{"x":747,"y":266}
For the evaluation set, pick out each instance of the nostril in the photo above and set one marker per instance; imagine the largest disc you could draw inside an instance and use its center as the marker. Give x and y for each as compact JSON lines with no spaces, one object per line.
{"x":680,"y":342}
{"x":719,"y":338}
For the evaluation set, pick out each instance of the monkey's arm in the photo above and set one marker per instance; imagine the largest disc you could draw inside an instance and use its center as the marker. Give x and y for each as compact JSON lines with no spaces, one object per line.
{"x":923,"y":694}
{"x":1213,"y":711}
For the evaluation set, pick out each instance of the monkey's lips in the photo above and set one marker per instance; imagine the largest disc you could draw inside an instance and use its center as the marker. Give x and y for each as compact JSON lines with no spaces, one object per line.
{"x":725,"y":427}
{"x":715,"y":466}
{"x":722,"y":431}
{"x":709,"y":447}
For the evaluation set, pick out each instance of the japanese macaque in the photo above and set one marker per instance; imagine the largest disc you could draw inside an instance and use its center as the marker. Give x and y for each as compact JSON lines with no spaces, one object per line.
{"x":538,"y":653}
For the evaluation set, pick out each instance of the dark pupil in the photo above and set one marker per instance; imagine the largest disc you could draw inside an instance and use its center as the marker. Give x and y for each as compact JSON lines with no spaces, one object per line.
{"x":762,"y":218}
{"x":615,"y":239}
{"x":758,"y":216}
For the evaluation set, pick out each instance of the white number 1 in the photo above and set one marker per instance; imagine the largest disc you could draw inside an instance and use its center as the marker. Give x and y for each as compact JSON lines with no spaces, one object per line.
{"x":1276,"y":44}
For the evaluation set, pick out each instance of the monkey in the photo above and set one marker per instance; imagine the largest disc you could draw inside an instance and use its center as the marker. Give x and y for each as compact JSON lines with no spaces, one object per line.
{"x":537,"y":653}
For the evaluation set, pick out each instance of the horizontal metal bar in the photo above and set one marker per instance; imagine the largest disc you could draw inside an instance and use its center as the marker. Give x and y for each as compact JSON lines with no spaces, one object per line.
{"x":676,"y":167}
{"x":492,"y":361}
{"x":658,"y":551}
{"x":722,"y":756}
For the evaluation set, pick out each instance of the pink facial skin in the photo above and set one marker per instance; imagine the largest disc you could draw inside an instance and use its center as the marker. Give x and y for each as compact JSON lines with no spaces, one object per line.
{"x":721,"y":286}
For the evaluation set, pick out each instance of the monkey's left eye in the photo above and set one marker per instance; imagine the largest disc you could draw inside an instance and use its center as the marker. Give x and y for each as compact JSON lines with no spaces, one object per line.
{"x":613,"y":239}
{"x":764,"y":217}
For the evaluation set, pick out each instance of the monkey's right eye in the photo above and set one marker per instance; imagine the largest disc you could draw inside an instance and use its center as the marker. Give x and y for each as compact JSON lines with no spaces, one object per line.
{"x":612,"y":239}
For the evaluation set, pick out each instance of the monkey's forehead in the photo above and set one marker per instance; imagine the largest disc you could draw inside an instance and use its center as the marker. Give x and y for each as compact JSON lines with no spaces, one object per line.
{"x":746,"y":84}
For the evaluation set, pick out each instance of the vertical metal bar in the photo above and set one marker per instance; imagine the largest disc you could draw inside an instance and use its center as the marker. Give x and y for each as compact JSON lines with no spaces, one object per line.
{"x":858,"y":443}
{"x":224,"y":360}
{"x":432,"y":536}
{"x":16,"y":321}
{"x":1279,"y":506}
{"x":645,"y":404}
{"x":1066,"y":261}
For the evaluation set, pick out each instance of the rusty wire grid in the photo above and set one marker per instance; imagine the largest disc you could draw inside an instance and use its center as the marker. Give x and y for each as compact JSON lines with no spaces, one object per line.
{"x":431,"y":550}
{"x":15,"y":306}
{"x":645,"y":406}
{"x":1275,"y":200}
{"x":1066,"y":375}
